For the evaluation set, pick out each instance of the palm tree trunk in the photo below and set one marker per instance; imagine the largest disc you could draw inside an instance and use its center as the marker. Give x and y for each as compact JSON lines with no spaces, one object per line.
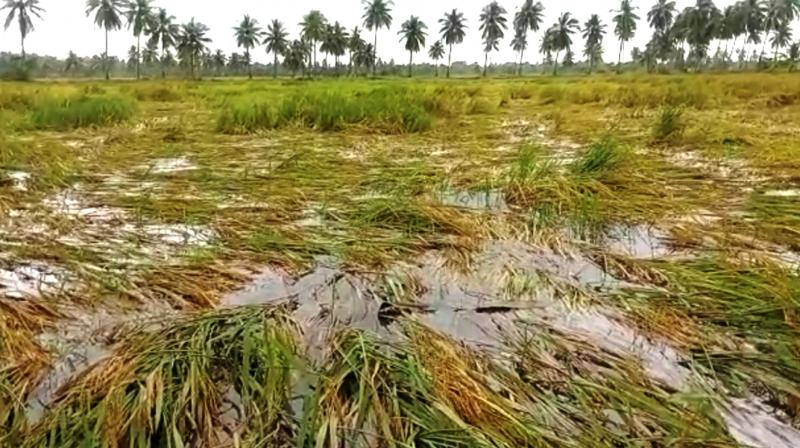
{"x":105,"y":57}
{"x":138,"y":56}
{"x":485,"y":62}
{"x":163,"y":67}
{"x":22,"y":44}
{"x":315,"y":68}
{"x":436,"y":67}
{"x":191,"y":63}
{"x":619,"y":60}
{"x":764,"y":45}
{"x":249,"y":64}
{"x":449,"y":60}
{"x":521,"y":61}
{"x":375,"y":53}
{"x":555,"y":63}
{"x":275,"y":67}
{"x":410,"y":61}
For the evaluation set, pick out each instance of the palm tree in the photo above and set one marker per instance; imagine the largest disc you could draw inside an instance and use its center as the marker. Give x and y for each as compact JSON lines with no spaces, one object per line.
{"x":519,"y":44}
{"x":528,"y":18}
{"x":413,"y":33}
{"x":163,"y":32}
{"x":248,"y":35}
{"x":436,"y":52}
{"x":560,"y":39}
{"x":377,"y":15}
{"x":453,"y":31}
{"x":625,"y":20}
{"x":22,"y":10}
{"x":753,"y":13}
{"x":313,"y":30}
{"x":73,"y":62}
{"x":192,"y":42}
{"x":548,"y":45}
{"x":702,"y":23}
{"x":781,"y":38}
{"x":364,"y":56}
{"x":277,"y":43}
{"x":218,"y":60}
{"x":593,"y":31}
{"x":493,"y":25}
{"x":295,"y":57}
{"x":661,"y":15}
{"x":150,"y":53}
{"x":139,"y":15}
{"x":794,"y":55}
{"x":133,"y":58}
{"x":335,"y":42}
{"x":107,"y":14}
{"x":354,"y":43}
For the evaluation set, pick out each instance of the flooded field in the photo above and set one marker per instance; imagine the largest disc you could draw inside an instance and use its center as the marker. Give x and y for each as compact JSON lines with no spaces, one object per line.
{"x":471,"y":263}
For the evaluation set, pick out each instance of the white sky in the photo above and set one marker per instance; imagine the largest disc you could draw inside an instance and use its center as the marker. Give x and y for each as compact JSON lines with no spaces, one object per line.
{"x":65,"y":26}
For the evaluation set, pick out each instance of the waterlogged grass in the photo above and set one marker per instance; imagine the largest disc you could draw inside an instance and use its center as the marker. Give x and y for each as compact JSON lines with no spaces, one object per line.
{"x":81,"y":111}
{"x":326,"y":187}
{"x":166,"y":388}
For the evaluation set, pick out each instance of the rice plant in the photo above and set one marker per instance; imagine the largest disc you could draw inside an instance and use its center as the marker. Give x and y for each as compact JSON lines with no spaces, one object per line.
{"x":81,"y":111}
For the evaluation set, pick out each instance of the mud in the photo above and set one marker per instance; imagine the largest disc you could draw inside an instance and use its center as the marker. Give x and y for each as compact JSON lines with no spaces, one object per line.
{"x":167,"y":166}
{"x":33,"y":279}
{"x":638,"y":242}
{"x":490,"y":200}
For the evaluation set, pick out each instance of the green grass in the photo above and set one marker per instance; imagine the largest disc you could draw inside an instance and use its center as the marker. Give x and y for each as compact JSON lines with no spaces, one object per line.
{"x":81,"y":111}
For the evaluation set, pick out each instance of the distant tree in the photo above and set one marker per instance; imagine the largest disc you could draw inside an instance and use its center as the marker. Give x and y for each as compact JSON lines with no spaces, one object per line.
{"x":150,"y":53}
{"x":753,"y":13}
{"x":493,"y":25}
{"x":295,"y":57}
{"x":22,"y":10}
{"x":139,"y":14}
{"x":277,"y":42}
{"x":561,"y":39}
{"x":781,"y":37}
{"x":354,"y":43}
{"x":548,"y":45}
{"x":313,"y":30}
{"x":436,"y":52}
{"x":364,"y":57}
{"x":793,"y":56}
{"x":133,"y":58}
{"x":192,"y":42}
{"x":164,"y":33}
{"x":72,"y":63}
{"x":413,"y":33}
{"x":661,"y":15}
{"x":625,"y":25}
{"x":218,"y":61}
{"x":335,"y":42}
{"x":569,"y":58}
{"x":377,"y":15}
{"x":702,"y":22}
{"x":528,"y":18}
{"x":107,"y":16}
{"x":593,"y":32}
{"x":453,"y":32}
{"x":248,"y":35}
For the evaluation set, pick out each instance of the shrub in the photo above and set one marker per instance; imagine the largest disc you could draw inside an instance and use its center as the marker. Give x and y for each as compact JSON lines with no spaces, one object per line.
{"x":603,"y":156}
{"x":157,"y":93}
{"x":669,"y":124}
{"x":80,"y":112}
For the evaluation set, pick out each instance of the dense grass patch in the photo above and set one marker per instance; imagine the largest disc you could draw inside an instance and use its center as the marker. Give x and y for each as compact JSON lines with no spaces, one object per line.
{"x":81,"y":111}
{"x":384,"y":110}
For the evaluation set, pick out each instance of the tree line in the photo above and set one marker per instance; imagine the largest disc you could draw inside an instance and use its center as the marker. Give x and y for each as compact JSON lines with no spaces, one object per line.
{"x":681,"y":38}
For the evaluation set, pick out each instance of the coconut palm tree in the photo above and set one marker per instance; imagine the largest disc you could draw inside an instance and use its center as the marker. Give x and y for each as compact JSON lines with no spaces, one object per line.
{"x":625,"y":25}
{"x":139,"y":16}
{"x":781,"y":37}
{"x":753,"y":13}
{"x":164,"y":33}
{"x":547,"y":45}
{"x":528,"y":18}
{"x":192,"y":42}
{"x":413,"y":33}
{"x":702,"y":23}
{"x":334,"y":42}
{"x":22,"y":10}
{"x":377,"y":15}
{"x":364,"y":56}
{"x":218,"y":61}
{"x":793,"y":55}
{"x":493,"y":25}
{"x":107,"y":16}
{"x":593,"y":31}
{"x":73,"y":62}
{"x":453,"y":31}
{"x":436,"y":52}
{"x":277,"y":43}
{"x":561,"y":36}
{"x":150,"y":53}
{"x":313,"y":30}
{"x":661,"y":15}
{"x":295,"y":57}
{"x":248,"y":35}
{"x":354,"y":43}
{"x":519,"y":44}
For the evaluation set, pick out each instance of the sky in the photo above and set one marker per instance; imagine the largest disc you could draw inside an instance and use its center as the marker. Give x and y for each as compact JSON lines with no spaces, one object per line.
{"x":65,"y":26}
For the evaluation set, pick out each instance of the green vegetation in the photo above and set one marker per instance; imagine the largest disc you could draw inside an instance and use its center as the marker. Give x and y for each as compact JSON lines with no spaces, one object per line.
{"x":81,"y":111}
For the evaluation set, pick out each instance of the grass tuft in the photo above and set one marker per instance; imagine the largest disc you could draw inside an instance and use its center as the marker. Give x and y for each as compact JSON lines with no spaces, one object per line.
{"x":81,"y":111}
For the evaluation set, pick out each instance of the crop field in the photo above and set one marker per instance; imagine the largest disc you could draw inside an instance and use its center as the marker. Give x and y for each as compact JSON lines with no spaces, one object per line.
{"x":542,"y":262}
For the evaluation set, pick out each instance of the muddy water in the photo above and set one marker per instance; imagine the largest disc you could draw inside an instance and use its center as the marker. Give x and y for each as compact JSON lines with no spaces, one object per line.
{"x":507,"y":287}
{"x":491,"y":200}
{"x":638,"y":242}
